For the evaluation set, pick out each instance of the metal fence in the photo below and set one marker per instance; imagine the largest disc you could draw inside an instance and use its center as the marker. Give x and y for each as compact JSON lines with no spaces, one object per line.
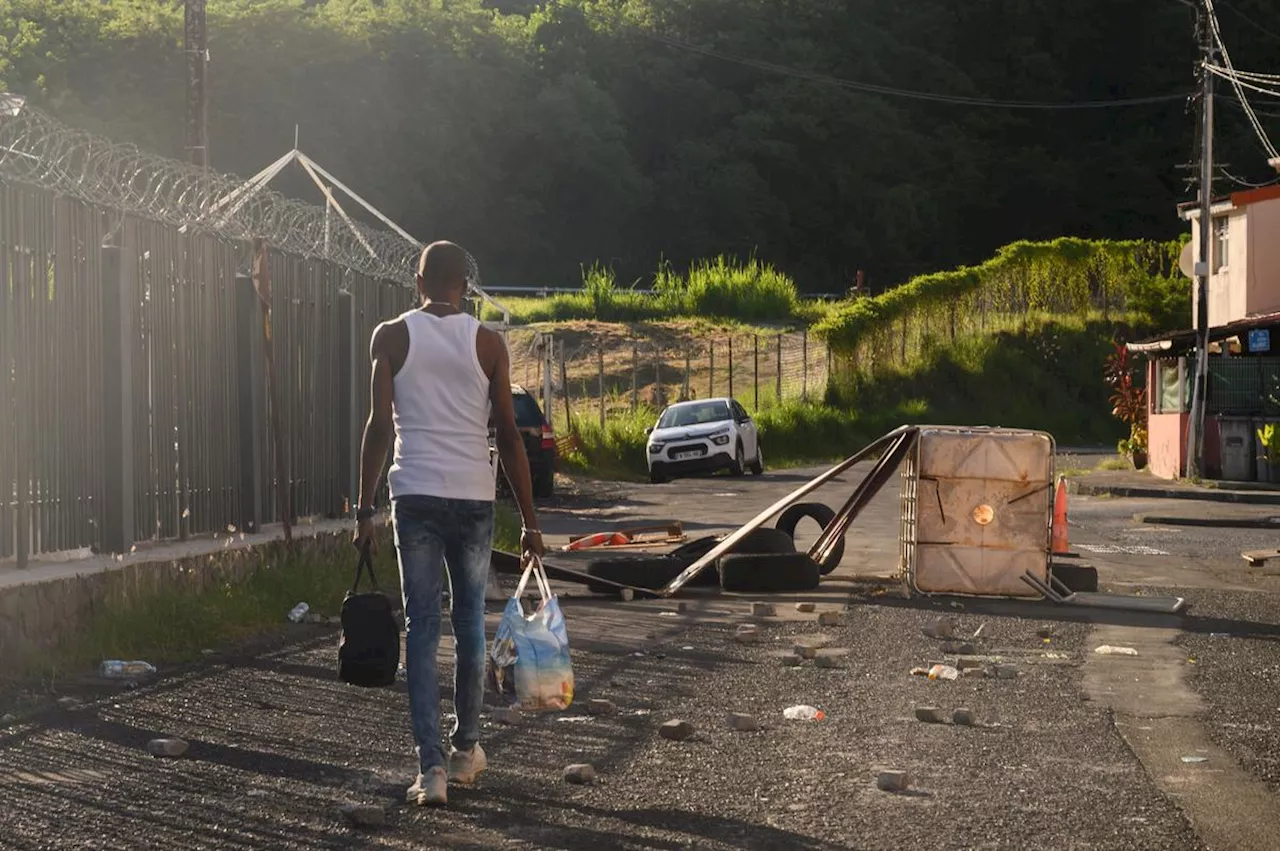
{"x":132,"y":386}
{"x":595,"y":375}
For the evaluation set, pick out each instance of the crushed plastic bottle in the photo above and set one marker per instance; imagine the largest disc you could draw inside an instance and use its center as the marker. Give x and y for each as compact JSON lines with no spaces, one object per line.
{"x":943,"y":672}
{"x":119,"y":669}
{"x":803,"y":713}
{"x":298,"y":612}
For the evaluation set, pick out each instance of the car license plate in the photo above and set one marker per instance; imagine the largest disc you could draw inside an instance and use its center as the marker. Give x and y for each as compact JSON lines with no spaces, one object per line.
{"x":684,"y":456}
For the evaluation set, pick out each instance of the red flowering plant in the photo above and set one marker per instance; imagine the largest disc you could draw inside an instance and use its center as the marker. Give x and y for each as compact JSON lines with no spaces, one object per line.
{"x":1128,"y":401}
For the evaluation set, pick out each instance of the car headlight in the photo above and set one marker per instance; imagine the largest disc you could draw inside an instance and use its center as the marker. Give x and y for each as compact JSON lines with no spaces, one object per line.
{"x":655,"y":448}
{"x":721,"y":437}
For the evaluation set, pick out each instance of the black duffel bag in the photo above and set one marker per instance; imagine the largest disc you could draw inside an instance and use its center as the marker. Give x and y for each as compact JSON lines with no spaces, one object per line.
{"x":369,"y":652}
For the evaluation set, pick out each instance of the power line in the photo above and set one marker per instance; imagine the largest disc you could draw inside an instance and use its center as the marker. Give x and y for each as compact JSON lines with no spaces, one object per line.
{"x":1209,"y":68}
{"x":1248,"y":20}
{"x":891,"y":91}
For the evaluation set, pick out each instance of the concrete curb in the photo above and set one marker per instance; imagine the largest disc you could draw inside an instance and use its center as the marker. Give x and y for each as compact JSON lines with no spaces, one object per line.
{"x":1200,"y":494}
{"x":1210,"y":522}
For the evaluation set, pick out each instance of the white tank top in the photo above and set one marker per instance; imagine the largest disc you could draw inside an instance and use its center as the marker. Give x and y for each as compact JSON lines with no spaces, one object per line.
{"x":441,"y":412}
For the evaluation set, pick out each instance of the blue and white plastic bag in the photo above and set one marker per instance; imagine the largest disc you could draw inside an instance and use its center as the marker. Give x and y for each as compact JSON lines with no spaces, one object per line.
{"x":529,"y":657}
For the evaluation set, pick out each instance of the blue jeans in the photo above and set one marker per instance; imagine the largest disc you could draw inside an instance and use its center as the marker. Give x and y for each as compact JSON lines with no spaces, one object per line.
{"x":433,"y":533}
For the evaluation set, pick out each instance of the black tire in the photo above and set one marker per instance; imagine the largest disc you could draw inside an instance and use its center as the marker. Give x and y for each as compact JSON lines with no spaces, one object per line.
{"x":1077,"y":577}
{"x":738,"y":467}
{"x":652,"y":572}
{"x":772,"y":573}
{"x":544,"y":485}
{"x":764,"y":541}
{"x":658,"y":476}
{"x":820,"y":512}
{"x":695,"y":549}
{"x":757,"y":466}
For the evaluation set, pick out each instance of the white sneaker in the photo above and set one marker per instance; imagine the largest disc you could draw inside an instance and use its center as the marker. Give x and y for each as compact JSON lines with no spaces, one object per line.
{"x":465,"y":766}
{"x":429,"y":790}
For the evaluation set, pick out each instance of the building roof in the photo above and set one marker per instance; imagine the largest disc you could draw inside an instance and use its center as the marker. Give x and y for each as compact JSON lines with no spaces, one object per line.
{"x":1178,"y":341}
{"x":1234,"y":201}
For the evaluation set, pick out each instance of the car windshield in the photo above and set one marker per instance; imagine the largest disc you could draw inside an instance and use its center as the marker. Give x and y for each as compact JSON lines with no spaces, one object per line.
{"x":694,"y":413}
{"x":528,"y":414}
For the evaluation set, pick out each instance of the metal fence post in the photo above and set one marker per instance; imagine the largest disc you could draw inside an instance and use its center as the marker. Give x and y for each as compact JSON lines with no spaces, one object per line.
{"x":804,"y":368}
{"x":730,"y":366}
{"x":251,"y":391}
{"x":778,"y":389}
{"x":119,"y":309}
{"x":348,"y":452}
{"x":755,"y":388}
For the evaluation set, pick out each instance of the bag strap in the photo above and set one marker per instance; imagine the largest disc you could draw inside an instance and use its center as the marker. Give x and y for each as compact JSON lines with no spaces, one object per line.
{"x":365,"y":563}
{"x":539,"y":573}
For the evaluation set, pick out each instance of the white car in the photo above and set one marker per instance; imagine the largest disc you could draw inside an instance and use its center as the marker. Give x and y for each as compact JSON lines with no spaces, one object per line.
{"x":704,"y":436}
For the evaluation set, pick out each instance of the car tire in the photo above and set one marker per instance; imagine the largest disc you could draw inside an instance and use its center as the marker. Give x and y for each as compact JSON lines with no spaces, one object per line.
{"x":651,"y":572}
{"x":770,"y":573}
{"x":738,"y":467}
{"x":695,"y":549}
{"x":1077,"y":577}
{"x":820,"y":512}
{"x":658,"y":476}
{"x":544,"y":485}
{"x":757,"y":466}
{"x":764,"y":541}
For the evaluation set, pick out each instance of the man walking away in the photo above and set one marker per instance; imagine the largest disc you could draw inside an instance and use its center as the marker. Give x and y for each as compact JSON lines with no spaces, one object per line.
{"x":438,"y":375}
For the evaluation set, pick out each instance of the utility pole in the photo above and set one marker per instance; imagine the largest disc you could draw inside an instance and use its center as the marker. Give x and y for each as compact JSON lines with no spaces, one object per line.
{"x":1203,"y":265}
{"x":196,"y":47}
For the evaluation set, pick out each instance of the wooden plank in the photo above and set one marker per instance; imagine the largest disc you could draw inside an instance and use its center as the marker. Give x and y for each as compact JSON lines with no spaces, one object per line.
{"x":1256,"y":558}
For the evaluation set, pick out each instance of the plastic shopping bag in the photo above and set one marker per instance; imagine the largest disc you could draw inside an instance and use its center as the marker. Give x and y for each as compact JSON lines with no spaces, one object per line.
{"x":529,"y":657}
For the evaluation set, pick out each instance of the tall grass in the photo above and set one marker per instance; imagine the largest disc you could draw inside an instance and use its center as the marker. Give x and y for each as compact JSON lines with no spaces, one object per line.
{"x":723,"y":288}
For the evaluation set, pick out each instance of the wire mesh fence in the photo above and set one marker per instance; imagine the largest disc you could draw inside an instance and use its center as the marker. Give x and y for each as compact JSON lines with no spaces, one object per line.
{"x":600,"y":375}
{"x":133,"y":405}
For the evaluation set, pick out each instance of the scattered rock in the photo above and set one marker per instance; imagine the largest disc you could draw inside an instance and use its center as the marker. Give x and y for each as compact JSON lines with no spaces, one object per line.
{"x":958,"y":648}
{"x":508,"y":715}
{"x":791,"y":660}
{"x":1045,"y":632}
{"x":963,"y":717}
{"x":68,"y":703}
{"x":829,"y":619}
{"x":167,"y":747}
{"x":677,"y":731}
{"x":968,"y":664}
{"x":580,"y":774}
{"x":207,"y":652}
{"x":806,"y":651}
{"x":827,"y":661}
{"x":763,"y":610}
{"x":8,"y":718}
{"x":893,"y":781}
{"x":806,"y":608}
{"x":364,"y":815}
{"x":942,"y":628}
{"x":747,"y":633}
{"x":627,"y":596}
{"x":601,"y":707}
{"x":743,"y":723}
{"x":931,"y":715}
{"x":1003,"y":671}
{"x":314,"y":617}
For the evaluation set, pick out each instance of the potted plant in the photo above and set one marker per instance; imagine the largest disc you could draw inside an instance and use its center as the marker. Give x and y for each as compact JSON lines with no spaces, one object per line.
{"x":1128,"y":404}
{"x":1269,"y":457}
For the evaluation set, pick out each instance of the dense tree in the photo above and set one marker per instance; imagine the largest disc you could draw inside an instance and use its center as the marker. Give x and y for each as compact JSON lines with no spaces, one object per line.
{"x":547,"y":135}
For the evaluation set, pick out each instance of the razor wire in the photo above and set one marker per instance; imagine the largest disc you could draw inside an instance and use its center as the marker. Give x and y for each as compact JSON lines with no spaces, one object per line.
{"x":37,"y":149}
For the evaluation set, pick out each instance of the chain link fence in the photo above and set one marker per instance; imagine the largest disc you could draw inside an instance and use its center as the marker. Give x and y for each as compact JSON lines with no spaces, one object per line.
{"x":600,"y":374}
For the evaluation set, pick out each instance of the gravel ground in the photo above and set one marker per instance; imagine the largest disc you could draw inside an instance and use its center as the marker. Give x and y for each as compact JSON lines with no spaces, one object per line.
{"x":277,"y":744}
{"x":1237,"y":673}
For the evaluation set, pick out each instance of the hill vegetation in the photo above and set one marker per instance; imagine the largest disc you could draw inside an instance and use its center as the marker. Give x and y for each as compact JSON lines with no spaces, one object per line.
{"x":548,"y":135}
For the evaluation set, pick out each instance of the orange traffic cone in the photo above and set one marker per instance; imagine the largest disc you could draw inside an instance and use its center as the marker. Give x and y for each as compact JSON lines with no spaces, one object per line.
{"x":1060,"y":518}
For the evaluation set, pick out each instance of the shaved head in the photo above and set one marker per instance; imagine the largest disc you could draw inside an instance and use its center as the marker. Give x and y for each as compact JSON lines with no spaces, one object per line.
{"x":442,"y":271}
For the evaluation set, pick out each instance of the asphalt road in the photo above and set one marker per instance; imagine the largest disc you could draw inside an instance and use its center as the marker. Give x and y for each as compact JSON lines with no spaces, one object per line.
{"x":277,"y":744}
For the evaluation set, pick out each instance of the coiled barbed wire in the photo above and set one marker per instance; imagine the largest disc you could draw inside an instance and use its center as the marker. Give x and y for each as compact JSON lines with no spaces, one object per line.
{"x":37,"y":149}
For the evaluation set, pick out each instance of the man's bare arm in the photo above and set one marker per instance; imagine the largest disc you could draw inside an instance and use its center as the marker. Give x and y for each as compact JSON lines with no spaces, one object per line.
{"x":379,"y":429}
{"x":510,"y":444}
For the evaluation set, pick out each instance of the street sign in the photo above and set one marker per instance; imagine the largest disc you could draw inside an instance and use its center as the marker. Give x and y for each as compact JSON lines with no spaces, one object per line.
{"x":1259,"y":340}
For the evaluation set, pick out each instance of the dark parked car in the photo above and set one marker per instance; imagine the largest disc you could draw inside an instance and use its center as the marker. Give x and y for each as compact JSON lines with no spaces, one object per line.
{"x":539,"y":442}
